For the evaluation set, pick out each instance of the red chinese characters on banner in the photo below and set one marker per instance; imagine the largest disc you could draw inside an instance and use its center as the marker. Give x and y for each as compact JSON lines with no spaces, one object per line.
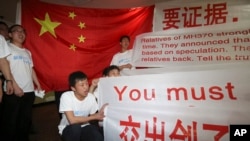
{"x":133,"y":125}
{"x":222,"y":130}
{"x":186,"y":132}
{"x":196,"y":16}
{"x":154,"y":135}
{"x":155,"y":131}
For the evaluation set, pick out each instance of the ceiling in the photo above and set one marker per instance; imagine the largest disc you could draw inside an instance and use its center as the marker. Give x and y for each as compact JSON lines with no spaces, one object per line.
{"x":114,"y":4}
{"x":8,"y":7}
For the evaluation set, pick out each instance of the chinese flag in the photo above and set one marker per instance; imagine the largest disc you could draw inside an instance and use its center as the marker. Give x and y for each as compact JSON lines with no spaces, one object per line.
{"x":64,"y":39}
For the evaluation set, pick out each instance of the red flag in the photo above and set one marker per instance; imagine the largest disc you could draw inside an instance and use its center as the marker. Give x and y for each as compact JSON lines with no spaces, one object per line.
{"x":64,"y":39}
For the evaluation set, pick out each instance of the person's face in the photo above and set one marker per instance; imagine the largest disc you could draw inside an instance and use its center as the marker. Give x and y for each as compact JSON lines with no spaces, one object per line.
{"x":4,"y":31}
{"x":114,"y":73}
{"x":17,"y":35}
{"x":124,"y":43}
{"x":81,"y":89}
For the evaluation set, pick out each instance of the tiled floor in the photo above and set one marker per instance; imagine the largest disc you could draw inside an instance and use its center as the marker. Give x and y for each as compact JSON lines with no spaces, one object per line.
{"x":45,"y":122}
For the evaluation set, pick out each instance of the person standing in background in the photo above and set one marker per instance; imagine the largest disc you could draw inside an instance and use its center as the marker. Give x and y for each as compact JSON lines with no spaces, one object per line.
{"x":17,"y":108}
{"x":5,"y":73}
{"x":4,"y":30}
{"x":123,"y":59}
{"x":4,"y":65}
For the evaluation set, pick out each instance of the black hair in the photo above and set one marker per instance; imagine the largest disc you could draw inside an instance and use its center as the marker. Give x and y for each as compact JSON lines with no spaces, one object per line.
{"x":76,"y":76}
{"x":108,"y":69}
{"x":3,"y":23}
{"x":123,"y":37}
{"x":13,"y":26}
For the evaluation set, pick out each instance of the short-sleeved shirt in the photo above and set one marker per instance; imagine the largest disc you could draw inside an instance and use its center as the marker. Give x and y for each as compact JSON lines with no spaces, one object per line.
{"x":123,"y":58}
{"x":21,"y":66}
{"x":69,"y":102}
{"x":4,"y":49}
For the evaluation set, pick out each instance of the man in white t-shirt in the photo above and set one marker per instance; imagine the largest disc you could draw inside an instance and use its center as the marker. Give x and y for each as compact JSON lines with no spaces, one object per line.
{"x":4,"y":68}
{"x":17,"y":108}
{"x":4,"y":52}
{"x":123,"y":59}
{"x":79,"y":108}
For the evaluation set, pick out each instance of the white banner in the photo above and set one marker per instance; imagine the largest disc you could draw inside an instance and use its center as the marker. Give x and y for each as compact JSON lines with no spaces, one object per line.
{"x":190,"y":105}
{"x":216,"y":44}
{"x":176,"y":14}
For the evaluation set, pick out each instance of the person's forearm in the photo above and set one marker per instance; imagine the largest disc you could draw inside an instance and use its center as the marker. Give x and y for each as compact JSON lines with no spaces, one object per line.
{"x":92,"y":89}
{"x":80,"y":119}
{"x":5,"y":68}
{"x":35,"y":79}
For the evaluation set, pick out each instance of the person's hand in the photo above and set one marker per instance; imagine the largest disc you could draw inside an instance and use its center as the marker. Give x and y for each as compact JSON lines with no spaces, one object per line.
{"x":129,"y":66}
{"x":39,"y":88}
{"x":100,"y":115}
{"x":95,"y":82}
{"x":18,"y":91}
{"x":103,"y":108}
{"x":9,"y":87}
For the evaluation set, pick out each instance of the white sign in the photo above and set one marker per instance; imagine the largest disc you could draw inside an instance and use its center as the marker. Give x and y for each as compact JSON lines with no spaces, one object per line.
{"x":192,"y":105}
{"x":216,"y":44}
{"x":177,"y":14}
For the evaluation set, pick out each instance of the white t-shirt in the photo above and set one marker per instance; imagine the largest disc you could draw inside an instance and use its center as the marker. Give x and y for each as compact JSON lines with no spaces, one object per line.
{"x":68,"y":102}
{"x":21,"y":66}
{"x":123,"y":58}
{"x":4,"y":49}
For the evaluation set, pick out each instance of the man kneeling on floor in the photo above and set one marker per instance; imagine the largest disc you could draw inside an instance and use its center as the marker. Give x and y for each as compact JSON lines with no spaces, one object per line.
{"x":78,"y":108}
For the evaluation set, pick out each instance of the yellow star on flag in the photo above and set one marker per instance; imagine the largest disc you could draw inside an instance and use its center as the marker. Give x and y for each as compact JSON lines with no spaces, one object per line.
{"x":82,"y":25}
{"x":72,"y":15}
{"x":72,"y":47}
{"x":81,"y":39}
{"x":47,"y":25}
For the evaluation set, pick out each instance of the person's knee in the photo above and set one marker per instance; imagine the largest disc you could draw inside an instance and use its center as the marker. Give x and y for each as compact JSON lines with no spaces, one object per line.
{"x":71,"y":132}
{"x":96,"y":134}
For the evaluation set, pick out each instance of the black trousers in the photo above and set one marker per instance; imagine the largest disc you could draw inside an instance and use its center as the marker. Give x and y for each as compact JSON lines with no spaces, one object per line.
{"x":17,"y":116}
{"x":77,"y":133}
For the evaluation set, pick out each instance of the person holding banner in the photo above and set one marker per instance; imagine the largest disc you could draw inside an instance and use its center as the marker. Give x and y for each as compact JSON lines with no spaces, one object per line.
{"x":110,"y":71}
{"x":79,"y":108}
{"x":123,"y":59}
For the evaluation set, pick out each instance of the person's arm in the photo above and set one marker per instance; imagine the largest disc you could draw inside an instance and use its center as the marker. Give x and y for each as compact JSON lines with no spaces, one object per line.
{"x":93,"y":85}
{"x":35,"y":80}
{"x":5,"y":68}
{"x":81,"y":120}
{"x":1,"y":90}
{"x":129,"y":66}
{"x":17,"y":90}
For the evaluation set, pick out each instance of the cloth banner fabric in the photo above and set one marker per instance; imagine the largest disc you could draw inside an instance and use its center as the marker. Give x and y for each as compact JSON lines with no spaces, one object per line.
{"x":64,"y":39}
{"x":217,"y":44}
{"x":177,"y":14}
{"x":194,"y":104}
